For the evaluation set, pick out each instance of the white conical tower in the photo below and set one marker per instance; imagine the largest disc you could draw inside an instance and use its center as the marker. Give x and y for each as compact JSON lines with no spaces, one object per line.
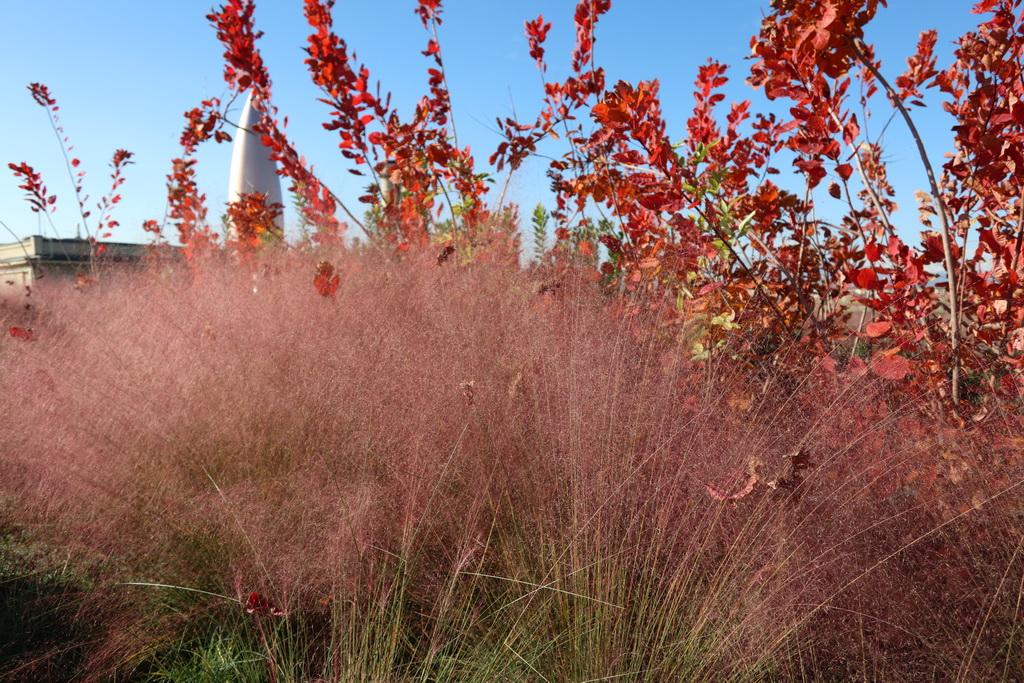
{"x":252,"y":169}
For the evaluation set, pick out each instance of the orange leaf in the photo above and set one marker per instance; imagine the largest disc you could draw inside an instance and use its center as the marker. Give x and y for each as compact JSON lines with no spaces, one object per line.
{"x":605,"y":114}
{"x":325,"y":281}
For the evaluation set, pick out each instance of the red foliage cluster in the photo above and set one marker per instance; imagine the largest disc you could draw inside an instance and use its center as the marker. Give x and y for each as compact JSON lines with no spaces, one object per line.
{"x":325,"y":281}
{"x":982,"y":183}
{"x":420,"y":156}
{"x":106,"y":225}
{"x":806,"y":51}
{"x":253,"y":221}
{"x":187,"y":208}
{"x":701,"y":221}
{"x":40,"y":200}
{"x":700,"y":233}
{"x":37,"y":197}
{"x":243,"y":69}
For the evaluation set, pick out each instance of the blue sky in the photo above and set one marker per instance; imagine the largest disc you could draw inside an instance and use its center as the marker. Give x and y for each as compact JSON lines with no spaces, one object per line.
{"x":124,"y":72}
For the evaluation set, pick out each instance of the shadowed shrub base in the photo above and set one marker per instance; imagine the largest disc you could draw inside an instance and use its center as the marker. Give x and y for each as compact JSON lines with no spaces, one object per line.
{"x":477,"y":473}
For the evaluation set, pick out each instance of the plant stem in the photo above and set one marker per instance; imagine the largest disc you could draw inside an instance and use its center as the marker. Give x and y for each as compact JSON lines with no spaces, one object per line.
{"x":808,"y":308}
{"x":1013,"y":265}
{"x":875,"y":200}
{"x":947,"y":244}
{"x":750,"y":273}
{"x":455,"y":138}
{"x":270,"y":125}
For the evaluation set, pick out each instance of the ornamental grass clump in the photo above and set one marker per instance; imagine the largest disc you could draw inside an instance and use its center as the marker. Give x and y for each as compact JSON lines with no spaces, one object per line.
{"x":442,"y":471}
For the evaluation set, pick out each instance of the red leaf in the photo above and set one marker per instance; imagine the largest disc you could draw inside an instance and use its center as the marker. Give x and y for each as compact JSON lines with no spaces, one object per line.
{"x":437,"y":155}
{"x":645,"y":179}
{"x":850,"y":131}
{"x":710,"y":287}
{"x":828,"y":16}
{"x":856,"y":366}
{"x":865,"y":278}
{"x":257,"y":604}
{"x":648,"y":263}
{"x":325,"y":281}
{"x":813,"y":168}
{"x":536,"y":33}
{"x":659,"y":201}
{"x":890,"y":367}
{"x":877,"y":329}
{"x":23,"y":334}
{"x":872,"y":251}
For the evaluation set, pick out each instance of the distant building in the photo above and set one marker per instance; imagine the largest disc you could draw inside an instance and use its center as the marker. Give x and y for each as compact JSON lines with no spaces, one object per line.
{"x":23,"y":263}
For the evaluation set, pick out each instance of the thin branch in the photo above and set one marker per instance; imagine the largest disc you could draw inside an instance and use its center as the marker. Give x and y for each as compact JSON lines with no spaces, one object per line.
{"x":808,"y":309}
{"x":875,"y":200}
{"x":947,"y":243}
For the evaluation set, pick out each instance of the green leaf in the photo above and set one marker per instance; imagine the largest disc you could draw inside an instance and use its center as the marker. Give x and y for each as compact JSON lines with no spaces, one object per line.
{"x":745,"y":225}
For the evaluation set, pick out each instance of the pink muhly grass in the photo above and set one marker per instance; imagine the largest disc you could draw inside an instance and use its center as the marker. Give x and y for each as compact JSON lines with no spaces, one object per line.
{"x":506,"y":468}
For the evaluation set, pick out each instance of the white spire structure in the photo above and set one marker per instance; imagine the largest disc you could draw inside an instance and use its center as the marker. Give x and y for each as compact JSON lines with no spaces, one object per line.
{"x":252,"y":169}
